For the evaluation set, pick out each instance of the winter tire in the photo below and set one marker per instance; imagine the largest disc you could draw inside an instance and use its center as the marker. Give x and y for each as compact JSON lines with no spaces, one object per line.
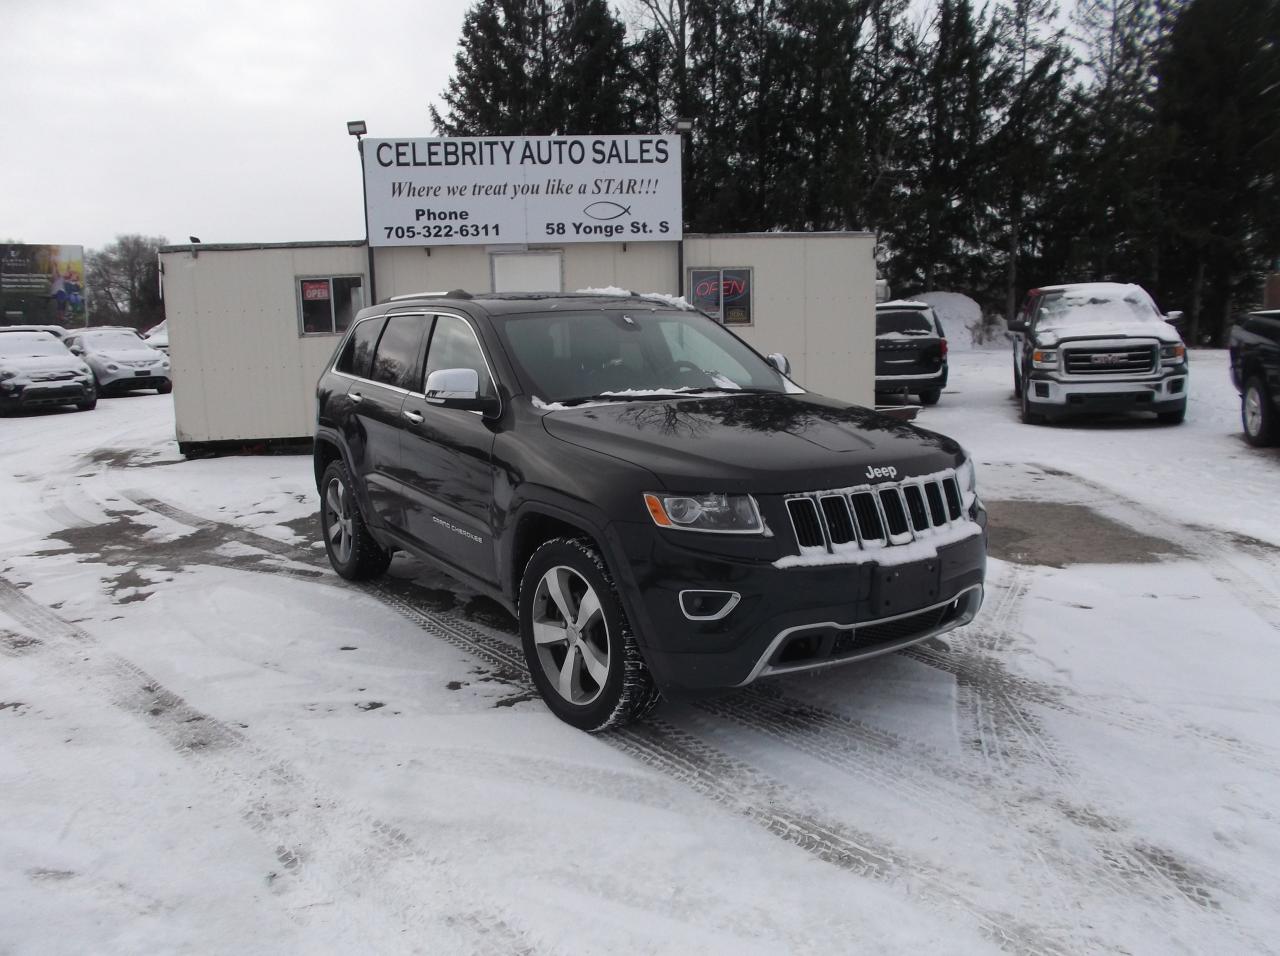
{"x":930,"y":396}
{"x":88,"y":404}
{"x":1174,"y":417}
{"x":1017,"y":384}
{"x":164,"y":388}
{"x":1258,"y":414}
{"x":581,"y":653}
{"x":352,"y":551}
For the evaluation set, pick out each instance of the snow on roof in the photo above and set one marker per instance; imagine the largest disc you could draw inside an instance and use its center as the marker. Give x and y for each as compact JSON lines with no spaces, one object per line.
{"x":902,"y":304}
{"x":1096,"y":288}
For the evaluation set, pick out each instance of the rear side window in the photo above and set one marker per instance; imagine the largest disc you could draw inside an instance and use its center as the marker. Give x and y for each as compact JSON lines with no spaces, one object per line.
{"x":454,"y":345}
{"x":357,"y":355}
{"x":398,"y":356}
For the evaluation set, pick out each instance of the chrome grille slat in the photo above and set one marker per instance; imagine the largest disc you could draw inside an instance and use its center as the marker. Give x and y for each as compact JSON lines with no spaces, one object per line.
{"x":876,"y":516}
{"x":1110,"y":359}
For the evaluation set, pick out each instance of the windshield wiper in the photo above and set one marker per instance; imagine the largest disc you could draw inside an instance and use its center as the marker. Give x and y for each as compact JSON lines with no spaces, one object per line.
{"x":687,"y":391}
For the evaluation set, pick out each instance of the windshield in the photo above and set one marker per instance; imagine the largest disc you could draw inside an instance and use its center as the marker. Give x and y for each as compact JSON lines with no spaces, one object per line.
{"x":566,"y":356}
{"x":18,"y":344}
{"x":115,"y":339}
{"x":904,"y":322}
{"x":1094,"y":306}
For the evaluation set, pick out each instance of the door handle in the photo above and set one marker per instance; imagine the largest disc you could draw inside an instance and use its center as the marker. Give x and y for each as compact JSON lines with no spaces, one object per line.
{"x":356,"y":397}
{"x":415,"y":417}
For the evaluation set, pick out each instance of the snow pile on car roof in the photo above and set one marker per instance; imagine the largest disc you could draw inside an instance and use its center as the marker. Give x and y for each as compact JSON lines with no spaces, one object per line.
{"x":674,"y":301}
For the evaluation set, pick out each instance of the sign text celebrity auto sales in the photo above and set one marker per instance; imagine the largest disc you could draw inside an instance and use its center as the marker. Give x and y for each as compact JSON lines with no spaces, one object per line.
{"x":475,"y":190}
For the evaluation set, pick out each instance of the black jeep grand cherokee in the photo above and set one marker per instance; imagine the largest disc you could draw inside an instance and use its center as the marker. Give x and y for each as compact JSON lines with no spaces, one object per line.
{"x":661,"y":507}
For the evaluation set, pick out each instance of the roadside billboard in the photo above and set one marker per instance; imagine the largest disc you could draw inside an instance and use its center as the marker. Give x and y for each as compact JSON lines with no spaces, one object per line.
{"x":495,"y":190}
{"x":42,"y":285}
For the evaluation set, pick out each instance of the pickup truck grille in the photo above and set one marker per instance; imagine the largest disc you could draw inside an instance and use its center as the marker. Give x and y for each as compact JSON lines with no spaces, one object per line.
{"x":874,"y":516}
{"x":1111,"y":360}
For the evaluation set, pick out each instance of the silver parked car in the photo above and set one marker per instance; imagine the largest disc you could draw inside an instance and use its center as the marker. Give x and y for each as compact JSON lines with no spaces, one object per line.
{"x":36,"y":370}
{"x":121,"y":359}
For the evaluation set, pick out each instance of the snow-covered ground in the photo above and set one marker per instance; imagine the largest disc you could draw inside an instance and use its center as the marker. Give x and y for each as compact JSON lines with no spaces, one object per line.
{"x":210,"y":744}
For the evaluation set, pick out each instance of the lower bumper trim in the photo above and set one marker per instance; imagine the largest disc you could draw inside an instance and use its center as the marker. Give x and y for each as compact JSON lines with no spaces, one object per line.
{"x":827,"y":643}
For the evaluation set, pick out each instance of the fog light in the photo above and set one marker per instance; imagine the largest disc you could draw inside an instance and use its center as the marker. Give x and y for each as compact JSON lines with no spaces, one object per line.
{"x":708,"y":605}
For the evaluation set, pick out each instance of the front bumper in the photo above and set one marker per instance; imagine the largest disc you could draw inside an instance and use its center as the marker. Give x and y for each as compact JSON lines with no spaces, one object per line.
{"x":1051,"y":393}
{"x":44,"y":394}
{"x":127,"y":378}
{"x":786,"y":619}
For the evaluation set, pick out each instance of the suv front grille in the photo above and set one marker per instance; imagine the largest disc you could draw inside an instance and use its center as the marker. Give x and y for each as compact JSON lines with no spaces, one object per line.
{"x":1111,"y":360}
{"x":874,"y":516}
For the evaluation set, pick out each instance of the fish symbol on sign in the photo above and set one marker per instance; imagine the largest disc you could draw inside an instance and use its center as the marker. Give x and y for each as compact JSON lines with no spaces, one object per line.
{"x":605,"y":210}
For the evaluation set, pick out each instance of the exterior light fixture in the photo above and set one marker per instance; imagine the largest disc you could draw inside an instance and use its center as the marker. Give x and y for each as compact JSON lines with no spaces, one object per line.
{"x":357,"y":128}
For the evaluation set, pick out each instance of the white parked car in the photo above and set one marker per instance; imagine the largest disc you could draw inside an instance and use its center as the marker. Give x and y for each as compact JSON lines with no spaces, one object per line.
{"x":158,"y":337}
{"x":121,"y":359}
{"x":36,"y":370}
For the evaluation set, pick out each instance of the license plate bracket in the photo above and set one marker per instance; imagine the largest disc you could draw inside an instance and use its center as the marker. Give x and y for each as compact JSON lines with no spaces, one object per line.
{"x":903,"y":588}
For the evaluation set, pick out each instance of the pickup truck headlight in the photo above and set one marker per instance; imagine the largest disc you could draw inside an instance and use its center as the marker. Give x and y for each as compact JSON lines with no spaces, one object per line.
{"x":723,"y":514}
{"x":1173,"y":354}
{"x":1044,"y":358}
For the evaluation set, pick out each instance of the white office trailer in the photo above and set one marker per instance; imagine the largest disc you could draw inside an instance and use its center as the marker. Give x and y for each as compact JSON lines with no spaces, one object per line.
{"x":251,"y":326}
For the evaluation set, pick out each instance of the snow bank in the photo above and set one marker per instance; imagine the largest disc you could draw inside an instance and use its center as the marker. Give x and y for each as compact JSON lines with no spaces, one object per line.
{"x":962,"y":320}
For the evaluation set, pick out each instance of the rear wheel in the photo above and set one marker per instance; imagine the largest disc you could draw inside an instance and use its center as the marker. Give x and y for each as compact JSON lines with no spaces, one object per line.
{"x":1258,"y":414}
{"x":352,"y":551}
{"x":930,"y":396}
{"x":577,"y":641}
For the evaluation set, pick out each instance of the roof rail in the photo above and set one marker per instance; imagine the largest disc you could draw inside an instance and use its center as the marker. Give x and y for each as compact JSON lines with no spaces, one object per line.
{"x":453,"y":294}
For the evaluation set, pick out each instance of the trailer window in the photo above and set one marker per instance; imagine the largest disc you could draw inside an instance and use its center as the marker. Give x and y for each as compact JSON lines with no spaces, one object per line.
{"x":326,"y":304}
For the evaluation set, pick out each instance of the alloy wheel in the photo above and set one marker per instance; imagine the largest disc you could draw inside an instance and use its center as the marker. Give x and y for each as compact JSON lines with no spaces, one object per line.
{"x":1253,"y":411}
{"x":338,"y":522}
{"x":571,"y":635}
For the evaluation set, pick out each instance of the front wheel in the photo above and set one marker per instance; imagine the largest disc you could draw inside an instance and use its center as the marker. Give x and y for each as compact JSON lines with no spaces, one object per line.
{"x":1258,"y":414}
{"x":352,"y":550}
{"x":581,"y":653}
{"x":88,"y":405}
{"x":1174,"y":417}
{"x":164,"y":388}
{"x":1028,"y":416}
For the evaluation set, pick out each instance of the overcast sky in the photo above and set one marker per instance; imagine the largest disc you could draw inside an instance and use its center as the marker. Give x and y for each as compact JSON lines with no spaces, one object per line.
{"x":223,"y":120}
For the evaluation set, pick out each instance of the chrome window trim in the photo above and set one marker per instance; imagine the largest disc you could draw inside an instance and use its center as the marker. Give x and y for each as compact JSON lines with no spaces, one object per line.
{"x":762,"y":668}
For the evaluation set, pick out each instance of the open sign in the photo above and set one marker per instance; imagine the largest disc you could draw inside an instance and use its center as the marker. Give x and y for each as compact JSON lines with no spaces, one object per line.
{"x":724,"y":294}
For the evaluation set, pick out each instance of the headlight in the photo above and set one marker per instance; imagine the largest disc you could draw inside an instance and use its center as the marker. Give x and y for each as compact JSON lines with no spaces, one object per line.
{"x":967,"y":476}
{"x":1044,"y":358}
{"x":1174,"y":354}
{"x":84,"y":371}
{"x":726,"y":514}
{"x":112,"y":367}
{"x":6,"y":374}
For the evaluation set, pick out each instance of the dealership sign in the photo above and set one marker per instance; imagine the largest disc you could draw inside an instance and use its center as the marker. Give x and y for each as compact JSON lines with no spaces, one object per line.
{"x":492,"y":190}
{"x":42,"y":285}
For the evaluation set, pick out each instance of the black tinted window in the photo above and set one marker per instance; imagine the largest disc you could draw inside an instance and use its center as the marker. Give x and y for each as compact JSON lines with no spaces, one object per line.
{"x":357,"y":356}
{"x":906,"y":322}
{"x":453,"y":345}
{"x":399,"y":351}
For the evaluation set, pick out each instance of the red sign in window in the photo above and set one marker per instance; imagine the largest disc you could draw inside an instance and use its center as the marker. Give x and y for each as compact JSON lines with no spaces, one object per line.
{"x":316,"y":290}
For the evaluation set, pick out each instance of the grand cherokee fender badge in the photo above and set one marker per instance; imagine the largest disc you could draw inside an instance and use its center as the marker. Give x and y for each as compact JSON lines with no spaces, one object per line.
{"x":886,"y":472}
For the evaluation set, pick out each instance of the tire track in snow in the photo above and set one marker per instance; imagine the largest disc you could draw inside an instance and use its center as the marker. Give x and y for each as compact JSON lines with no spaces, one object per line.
{"x":319,"y":840}
{"x":678,"y":755}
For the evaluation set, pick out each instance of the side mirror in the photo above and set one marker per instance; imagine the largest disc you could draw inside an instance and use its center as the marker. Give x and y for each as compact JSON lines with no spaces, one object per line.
{"x":1017,"y":325}
{"x":457,"y":388}
{"x":780,"y":362}
{"x":1175,"y":318}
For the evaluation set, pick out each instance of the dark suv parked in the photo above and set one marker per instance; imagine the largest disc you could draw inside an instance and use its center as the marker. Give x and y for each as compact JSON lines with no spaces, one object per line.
{"x":911,"y":351}
{"x":661,"y":508}
{"x":1255,"y":370}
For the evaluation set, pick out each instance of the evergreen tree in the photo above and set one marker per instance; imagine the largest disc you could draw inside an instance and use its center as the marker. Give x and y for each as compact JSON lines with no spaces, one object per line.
{"x":943,"y":216}
{"x":1218,"y":102}
{"x":1037,"y":62}
{"x":533,"y":67}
